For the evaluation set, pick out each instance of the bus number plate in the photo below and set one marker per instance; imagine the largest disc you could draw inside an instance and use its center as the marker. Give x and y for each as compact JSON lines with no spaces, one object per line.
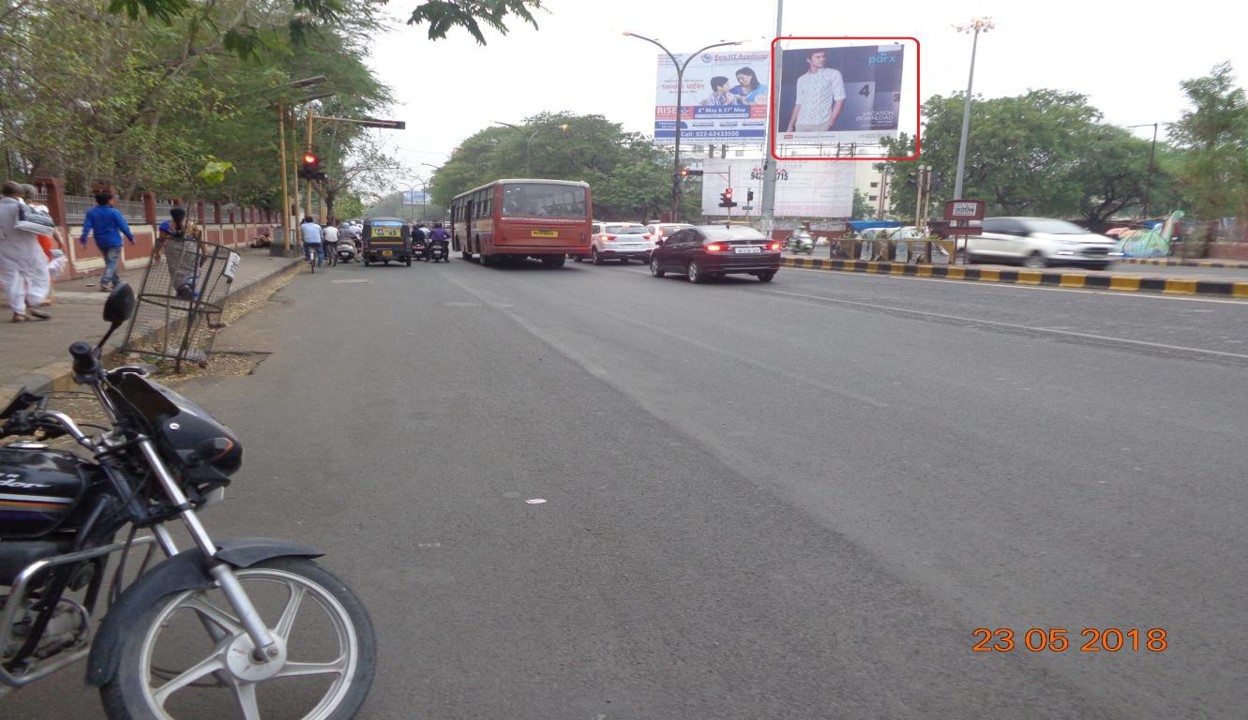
{"x":543,"y":233}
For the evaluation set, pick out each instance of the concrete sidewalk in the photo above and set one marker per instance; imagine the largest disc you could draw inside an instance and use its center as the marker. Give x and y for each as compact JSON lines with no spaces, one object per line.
{"x":36,"y":354}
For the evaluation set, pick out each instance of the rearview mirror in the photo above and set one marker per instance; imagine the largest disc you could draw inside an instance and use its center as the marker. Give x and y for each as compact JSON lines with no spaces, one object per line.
{"x":120,"y":305}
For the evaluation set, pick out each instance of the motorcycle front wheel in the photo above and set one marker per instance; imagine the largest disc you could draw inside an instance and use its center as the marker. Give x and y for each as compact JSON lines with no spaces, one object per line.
{"x":191,"y":658}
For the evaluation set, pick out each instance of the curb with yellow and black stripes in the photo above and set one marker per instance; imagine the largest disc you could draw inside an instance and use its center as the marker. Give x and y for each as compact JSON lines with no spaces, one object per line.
{"x":1073,"y":280}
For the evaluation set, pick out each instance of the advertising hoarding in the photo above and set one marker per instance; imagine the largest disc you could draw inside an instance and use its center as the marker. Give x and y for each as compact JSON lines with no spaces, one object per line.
{"x":803,"y":189}
{"x":724,"y":97}
{"x":839,"y":94}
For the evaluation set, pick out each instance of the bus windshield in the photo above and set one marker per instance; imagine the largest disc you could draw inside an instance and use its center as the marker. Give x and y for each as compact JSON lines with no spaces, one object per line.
{"x":542,"y":200}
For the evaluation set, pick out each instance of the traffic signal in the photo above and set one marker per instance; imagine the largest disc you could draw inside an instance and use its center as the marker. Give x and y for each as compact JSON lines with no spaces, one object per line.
{"x":725,"y":199}
{"x":310,"y":169}
{"x":749,"y":196}
{"x":684,"y":173}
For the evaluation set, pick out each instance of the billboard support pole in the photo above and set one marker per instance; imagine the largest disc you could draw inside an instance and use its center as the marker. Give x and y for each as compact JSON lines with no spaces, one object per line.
{"x":767,"y":209}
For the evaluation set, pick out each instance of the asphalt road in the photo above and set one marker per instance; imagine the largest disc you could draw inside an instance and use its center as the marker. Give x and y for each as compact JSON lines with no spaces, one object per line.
{"x":588,"y":493}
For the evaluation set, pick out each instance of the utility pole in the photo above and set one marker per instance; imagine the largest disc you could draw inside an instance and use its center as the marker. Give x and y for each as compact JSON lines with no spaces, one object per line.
{"x":767,"y":209}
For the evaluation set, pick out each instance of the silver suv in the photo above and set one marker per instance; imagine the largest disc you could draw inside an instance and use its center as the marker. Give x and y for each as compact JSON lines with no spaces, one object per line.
{"x":1035,"y":242}
{"x":618,"y":241}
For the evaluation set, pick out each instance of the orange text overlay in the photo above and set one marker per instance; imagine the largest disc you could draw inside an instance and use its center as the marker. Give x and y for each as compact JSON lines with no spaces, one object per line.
{"x":1060,"y":640}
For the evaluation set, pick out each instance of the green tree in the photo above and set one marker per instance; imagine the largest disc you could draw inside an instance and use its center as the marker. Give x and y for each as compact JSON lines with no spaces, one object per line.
{"x":863,"y":208}
{"x":1213,"y":169}
{"x":249,"y":31}
{"x":1042,"y":153}
{"x":630,"y":177}
{"x":141,"y":105}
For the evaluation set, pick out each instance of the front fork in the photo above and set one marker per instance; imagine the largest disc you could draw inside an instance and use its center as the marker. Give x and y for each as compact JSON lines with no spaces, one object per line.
{"x":265,"y":645}
{"x":262,"y":640}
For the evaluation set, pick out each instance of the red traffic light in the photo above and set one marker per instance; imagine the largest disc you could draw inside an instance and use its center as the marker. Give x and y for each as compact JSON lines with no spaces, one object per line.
{"x":728,"y":193}
{"x":311,"y":169}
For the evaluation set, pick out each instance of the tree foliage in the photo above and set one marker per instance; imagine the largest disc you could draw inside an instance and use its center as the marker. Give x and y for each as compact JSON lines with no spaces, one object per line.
{"x":149,"y":92}
{"x":630,"y":177}
{"x":1042,"y":153}
{"x":1213,"y":135}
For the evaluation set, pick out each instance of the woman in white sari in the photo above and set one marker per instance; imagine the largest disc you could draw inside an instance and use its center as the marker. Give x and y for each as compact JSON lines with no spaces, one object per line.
{"x":23,"y":266}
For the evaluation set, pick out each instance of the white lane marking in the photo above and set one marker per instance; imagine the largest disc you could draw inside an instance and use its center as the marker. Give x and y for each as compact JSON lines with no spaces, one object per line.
{"x":1012,"y":326}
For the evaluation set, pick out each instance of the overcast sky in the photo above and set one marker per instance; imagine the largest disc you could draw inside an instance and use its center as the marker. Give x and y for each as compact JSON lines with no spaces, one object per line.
{"x":1128,"y":62}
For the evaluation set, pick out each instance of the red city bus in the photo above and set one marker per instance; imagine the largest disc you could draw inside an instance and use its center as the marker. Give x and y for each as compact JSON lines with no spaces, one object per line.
{"x":515,"y":219}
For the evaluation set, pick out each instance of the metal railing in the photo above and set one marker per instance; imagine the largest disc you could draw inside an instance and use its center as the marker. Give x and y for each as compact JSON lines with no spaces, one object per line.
{"x":76,"y":207}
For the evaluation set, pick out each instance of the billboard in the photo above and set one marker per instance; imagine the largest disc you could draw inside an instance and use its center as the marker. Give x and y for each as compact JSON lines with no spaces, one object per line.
{"x":724,"y":97}
{"x":803,"y":189}
{"x":839,"y":94}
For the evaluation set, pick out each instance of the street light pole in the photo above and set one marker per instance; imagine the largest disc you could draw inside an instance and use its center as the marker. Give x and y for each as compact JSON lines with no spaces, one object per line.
{"x":680,"y":87}
{"x":528,"y":147}
{"x":977,"y":25}
{"x":1152,"y":156}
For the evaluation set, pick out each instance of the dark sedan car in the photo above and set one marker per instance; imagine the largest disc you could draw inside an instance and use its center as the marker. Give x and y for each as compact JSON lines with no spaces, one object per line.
{"x":710,"y":251}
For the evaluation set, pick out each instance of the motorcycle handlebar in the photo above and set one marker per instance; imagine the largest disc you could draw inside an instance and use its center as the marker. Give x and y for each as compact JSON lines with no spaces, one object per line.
{"x":85,"y":362}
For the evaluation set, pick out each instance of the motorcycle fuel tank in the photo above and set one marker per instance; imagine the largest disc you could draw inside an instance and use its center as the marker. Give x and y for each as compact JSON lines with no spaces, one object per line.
{"x":39,"y":489}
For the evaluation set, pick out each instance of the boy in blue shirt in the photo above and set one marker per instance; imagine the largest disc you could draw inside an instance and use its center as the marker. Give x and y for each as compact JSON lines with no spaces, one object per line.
{"x":109,"y":225}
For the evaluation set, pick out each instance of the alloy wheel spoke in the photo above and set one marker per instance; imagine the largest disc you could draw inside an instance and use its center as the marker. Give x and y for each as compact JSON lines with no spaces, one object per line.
{"x":216,"y":615}
{"x":333,"y":667}
{"x":207,"y":666}
{"x":290,"y":611}
{"x":245,"y":693}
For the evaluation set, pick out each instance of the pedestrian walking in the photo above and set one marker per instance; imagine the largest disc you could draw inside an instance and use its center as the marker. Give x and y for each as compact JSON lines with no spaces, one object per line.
{"x":48,"y":243}
{"x":108,"y":225}
{"x":23,"y":266}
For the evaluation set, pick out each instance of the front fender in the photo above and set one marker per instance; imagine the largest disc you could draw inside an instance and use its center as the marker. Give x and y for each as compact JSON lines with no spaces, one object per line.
{"x":184,"y":571}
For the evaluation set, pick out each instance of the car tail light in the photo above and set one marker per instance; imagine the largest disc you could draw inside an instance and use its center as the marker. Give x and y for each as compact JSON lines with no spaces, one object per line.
{"x":716,"y":247}
{"x":773,"y":245}
{"x":608,"y":238}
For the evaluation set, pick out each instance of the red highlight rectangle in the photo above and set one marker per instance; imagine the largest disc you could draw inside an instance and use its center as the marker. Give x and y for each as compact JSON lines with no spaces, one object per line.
{"x":774,"y":101}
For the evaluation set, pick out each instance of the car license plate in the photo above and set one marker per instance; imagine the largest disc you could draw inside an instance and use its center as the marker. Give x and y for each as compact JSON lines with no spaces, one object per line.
{"x":748,"y":250}
{"x":387,"y":253}
{"x":543,"y":233}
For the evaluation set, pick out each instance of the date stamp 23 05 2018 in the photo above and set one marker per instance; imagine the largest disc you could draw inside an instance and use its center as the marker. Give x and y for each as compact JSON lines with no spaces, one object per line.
{"x":1057,"y":640}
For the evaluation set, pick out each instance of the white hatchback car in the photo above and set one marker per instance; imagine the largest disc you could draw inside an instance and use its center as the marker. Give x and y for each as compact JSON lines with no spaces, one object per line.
{"x":1036,"y":242}
{"x":618,"y":241}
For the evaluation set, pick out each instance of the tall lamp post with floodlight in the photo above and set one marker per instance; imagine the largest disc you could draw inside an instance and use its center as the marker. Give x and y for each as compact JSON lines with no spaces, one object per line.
{"x":528,"y":147}
{"x":976,"y":26}
{"x":433,"y":175}
{"x":680,"y":86}
{"x":424,"y":196}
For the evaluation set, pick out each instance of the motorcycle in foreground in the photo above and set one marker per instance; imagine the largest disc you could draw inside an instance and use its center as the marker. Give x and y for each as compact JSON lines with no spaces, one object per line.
{"x":232,"y":629}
